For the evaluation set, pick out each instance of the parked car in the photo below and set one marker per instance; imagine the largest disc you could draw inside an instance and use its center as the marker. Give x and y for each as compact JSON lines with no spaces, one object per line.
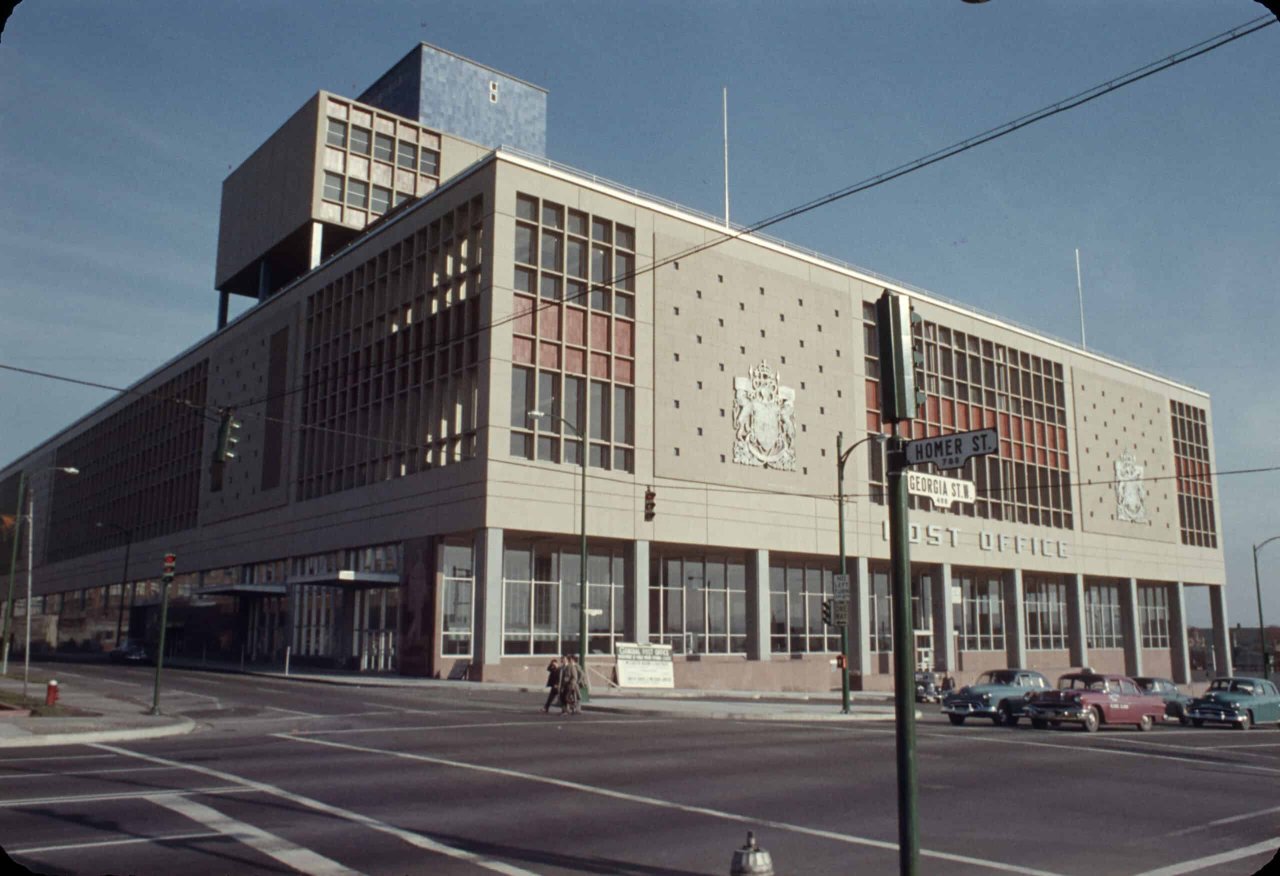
{"x":129,"y":651}
{"x":927,"y":688}
{"x":1000,"y":694}
{"x":1092,"y":699}
{"x":1175,"y":701}
{"x":1240,"y":702}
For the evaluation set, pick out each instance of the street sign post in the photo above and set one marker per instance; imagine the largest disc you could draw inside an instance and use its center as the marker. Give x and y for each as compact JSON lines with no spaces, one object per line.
{"x":951,"y":451}
{"x":943,"y":491}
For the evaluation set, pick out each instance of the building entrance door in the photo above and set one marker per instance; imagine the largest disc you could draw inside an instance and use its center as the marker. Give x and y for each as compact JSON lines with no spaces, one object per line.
{"x":374,"y":636}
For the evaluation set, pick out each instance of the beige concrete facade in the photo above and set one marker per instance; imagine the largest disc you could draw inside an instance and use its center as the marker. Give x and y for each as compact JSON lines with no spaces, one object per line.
{"x":475,"y":531}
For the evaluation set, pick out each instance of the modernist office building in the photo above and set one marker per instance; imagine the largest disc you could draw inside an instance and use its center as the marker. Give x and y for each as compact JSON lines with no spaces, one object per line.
{"x":423,"y":285}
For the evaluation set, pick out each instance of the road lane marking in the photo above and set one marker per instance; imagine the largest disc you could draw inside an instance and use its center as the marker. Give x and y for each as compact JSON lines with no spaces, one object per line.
{"x":272,"y":845}
{"x":1209,"y":825}
{"x":111,"y":797}
{"x":426,"y":728}
{"x":408,"y":836}
{"x":1214,"y":860}
{"x":97,"y":844}
{"x":668,"y":804}
{"x":1153,"y":755}
{"x":69,"y":773}
{"x":295,"y":712}
{"x":57,"y":757}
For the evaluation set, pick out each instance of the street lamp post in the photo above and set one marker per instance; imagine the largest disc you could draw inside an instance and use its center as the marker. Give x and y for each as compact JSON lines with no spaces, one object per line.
{"x":13,"y":565}
{"x":842,"y":456}
{"x":31,"y":531}
{"x":1262,"y":630}
{"x":582,"y":593}
{"x":124,"y":574}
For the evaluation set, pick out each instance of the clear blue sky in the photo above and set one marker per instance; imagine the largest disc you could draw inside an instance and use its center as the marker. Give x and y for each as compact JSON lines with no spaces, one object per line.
{"x":121,"y":120}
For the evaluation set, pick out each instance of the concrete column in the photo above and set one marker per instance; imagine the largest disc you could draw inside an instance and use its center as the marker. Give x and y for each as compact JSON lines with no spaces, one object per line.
{"x":1221,"y":634}
{"x":1130,"y":620}
{"x":1077,"y":625}
{"x":860,"y":617}
{"x":224,"y":307}
{"x":317,"y":239}
{"x":758,"y":605}
{"x":1180,"y":653}
{"x":488,"y":566}
{"x":638,"y":597}
{"x":944,"y":640}
{"x":1015,"y":642}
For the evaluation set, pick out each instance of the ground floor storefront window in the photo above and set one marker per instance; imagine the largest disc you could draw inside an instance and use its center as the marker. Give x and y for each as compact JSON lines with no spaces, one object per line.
{"x":457,"y":596}
{"x":541,"y":588}
{"x":315,"y":611}
{"x":1045,"y":604}
{"x":979,"y":615}
{"x":1103,"y":628}
{"x":1153,"y":615}
{"x":698,"y":604}
{"x":797,"y":590}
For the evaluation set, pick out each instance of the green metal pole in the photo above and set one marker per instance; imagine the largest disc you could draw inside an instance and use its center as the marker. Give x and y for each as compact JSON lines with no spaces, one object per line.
{"x":903,"y":661}
{"x":1262,"y":630}
{"x":844,"y":628}
{"x":582,"y":596}
{"x":164,"y":623}
{"x":13,"y":565}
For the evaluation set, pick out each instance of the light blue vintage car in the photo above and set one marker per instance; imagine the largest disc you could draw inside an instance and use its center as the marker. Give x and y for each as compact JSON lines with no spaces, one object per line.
{"x":1240,"y":702}
{"x":1000,"y":695}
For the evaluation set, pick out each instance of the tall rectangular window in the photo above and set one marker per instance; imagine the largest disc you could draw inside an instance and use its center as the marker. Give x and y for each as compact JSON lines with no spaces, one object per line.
{"x":1103,"y":628}
{"x":382,"y":147}
{"x":406,"y":155}
{"x":1045,"y":605}
{"x":1153,"y":615}
{"x":697,"y":604}
{"x":333,"y":187}
{"x":336,"y":134}
{"x":979,"y":616}
{"x":357,"y":194}
{"x":797,"y":590}
{"x":359,"y":140}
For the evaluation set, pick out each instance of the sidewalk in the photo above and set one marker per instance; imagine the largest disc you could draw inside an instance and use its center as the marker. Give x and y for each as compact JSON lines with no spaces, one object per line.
{"x":100,"y":717}
{"x":95,"y":717}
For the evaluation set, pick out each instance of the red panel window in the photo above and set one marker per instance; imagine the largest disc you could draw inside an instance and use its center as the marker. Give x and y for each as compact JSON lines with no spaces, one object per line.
{"x":600,"y":365}
{"x":1004,"y":425}
{"x":575,"y":361}
{"x":917,"y":429}
{"x":873,"y":395}
{"x":989,"y":419}
{"x":1051,"y":438}
{"x":1041,"y":456}
{"x":1062,"y":437}
{"x":549,"y":356}
{"x":623,"y":370}
{"x":1006,"y":449}
{"x":934,"y":431}
{"x":962,"y":417}
{"x":873,"y":421}
{"x":575,"y":331}
{"x":624,"y":337}
{"x":1040,"y":434}
{"x":599,"y":332}
{"x":524,"y":315}
{"x":549,"y":321}
{"x":1016,"y":448}
{"x":1016,"y":426}
{"x":948,"y":411}
{"x":522,"y":351}
{"x":931,"y":406}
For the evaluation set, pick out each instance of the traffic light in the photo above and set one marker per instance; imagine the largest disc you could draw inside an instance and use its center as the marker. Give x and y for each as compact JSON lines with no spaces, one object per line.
{"x":901,"y":364}
{"x":650,"y":504}
{"x":170,"y":563}
{"x":228,"y":426}
{"x":826,"y":612}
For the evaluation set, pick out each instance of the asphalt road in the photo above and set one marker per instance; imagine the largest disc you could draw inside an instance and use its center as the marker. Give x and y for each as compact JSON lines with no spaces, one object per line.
{"x":287,"y":776}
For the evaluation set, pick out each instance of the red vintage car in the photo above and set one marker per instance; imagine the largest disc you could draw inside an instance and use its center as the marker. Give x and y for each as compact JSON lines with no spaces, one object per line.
{"x":1092,"y":699}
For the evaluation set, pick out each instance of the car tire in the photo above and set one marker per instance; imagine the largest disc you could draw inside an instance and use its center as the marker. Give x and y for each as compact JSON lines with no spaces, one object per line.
{"x":956,"y":720}
{"x":1196,"y":722}
{"x":1092,"y":720}
{"x":1184,"y":721}
{"x":1245,"y":720}
{"x":1005,"y":716}
{"x":1039,"y":723}
{"x":1145,"y":723}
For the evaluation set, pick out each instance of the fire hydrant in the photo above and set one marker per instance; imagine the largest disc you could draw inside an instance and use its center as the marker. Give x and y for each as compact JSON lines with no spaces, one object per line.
{"x":751,"y":860}
{"x":51,"y":693}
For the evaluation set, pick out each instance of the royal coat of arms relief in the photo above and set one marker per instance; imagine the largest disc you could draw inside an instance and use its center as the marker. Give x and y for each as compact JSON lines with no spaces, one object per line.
{"x":1131,"y":494}
{"x":764,"y":420}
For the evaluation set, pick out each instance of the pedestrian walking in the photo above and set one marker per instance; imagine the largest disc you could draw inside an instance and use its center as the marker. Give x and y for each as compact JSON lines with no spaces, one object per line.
{"x":570,"y":679}
{"x":553,"y":683}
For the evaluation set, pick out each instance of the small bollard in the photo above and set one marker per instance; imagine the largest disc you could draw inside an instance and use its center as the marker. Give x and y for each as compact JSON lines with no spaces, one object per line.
{"x":51,"y":693}
{"x":751,"y":860}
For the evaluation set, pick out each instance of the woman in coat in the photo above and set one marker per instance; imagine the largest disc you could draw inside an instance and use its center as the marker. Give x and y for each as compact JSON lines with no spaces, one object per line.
{"x":570,"y":678}
{"x":553,"y":683}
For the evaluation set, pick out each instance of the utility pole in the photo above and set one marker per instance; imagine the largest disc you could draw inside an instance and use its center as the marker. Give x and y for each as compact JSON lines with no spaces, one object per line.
{"x":170,"y":562}
{"x":842,"y":456}
{"x":900,"y":397}
{"x":13,"y":566}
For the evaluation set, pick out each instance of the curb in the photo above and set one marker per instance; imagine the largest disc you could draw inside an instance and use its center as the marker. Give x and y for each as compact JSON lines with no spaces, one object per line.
{"x":745,"y":716}
{"x":178,"y":728}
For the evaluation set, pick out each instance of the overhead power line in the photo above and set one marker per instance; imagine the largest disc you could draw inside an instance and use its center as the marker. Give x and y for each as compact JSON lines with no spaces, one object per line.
{"x":1089,"y":94}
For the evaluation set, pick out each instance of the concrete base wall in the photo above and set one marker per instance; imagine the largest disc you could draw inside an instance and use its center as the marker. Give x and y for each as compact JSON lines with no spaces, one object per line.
{"x":1158,"y":662}
{"x":1107,"y":660}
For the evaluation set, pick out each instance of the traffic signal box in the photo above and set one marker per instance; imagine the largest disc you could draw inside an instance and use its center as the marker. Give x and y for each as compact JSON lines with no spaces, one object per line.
{"x":228,"y":426}
{"x":170,"y":564}
{"x":650,"y":504}
{"x":901,"y":383}
{"x":826,"y":613}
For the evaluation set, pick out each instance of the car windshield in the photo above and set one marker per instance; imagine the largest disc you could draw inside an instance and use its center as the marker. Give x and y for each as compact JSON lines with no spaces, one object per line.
{"x":1000,"y":676}
{"x":1230,"y":684}
{"x":1148,"y":684}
